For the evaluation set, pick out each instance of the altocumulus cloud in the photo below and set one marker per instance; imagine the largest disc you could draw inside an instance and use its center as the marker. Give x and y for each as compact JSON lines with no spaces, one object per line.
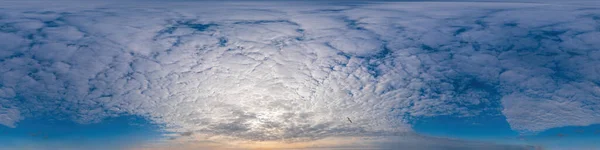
{"x":270,"y":71}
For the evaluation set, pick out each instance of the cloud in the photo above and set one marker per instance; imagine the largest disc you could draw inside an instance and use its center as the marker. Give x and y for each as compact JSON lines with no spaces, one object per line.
{"x":296,"y":73}
{"x":9,"y":116}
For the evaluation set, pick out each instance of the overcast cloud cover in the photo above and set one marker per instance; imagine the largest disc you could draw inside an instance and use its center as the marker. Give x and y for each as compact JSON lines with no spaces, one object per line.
{"x":295,"y":72}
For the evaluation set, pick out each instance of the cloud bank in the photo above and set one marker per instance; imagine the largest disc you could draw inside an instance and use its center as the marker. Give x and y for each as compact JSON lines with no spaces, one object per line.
{"x":269,"y":71}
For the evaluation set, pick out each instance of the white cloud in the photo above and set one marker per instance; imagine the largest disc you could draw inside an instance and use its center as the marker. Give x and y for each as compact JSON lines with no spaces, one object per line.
{"x":9,"y":115}
{"x":297,"y":73}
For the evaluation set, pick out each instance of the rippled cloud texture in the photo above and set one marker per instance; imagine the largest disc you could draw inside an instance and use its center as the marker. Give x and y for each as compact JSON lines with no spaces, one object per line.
{"x":259,"y":71}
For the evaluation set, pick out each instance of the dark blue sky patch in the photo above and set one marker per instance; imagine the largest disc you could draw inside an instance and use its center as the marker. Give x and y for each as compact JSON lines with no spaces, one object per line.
{"x":51,"y":24}
{"x":265,"y":22}
{"x":197,"y":26}
{"x":511,"y":24}
{"x":7,"y":27}
{"x":353,"y":24}
{"x":190,"y":24}
{"x":461,"y":30}
{"x":222,"y":41}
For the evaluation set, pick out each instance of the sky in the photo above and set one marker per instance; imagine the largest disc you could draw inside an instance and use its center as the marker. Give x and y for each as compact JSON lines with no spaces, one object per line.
{"x":187,"y":74}
{"x":112,"y":133}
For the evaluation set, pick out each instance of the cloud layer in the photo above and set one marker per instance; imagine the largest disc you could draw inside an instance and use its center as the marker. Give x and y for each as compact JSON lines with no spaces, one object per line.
{"x":269,"y":71}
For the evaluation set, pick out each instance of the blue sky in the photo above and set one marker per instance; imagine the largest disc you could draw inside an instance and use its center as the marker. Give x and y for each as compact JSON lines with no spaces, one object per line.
{"x":481,"y":75}
{"x":487,"y":128}
{"x":112,"y":133}
{"x":495,"y":129}
{"x":571,"y":137}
